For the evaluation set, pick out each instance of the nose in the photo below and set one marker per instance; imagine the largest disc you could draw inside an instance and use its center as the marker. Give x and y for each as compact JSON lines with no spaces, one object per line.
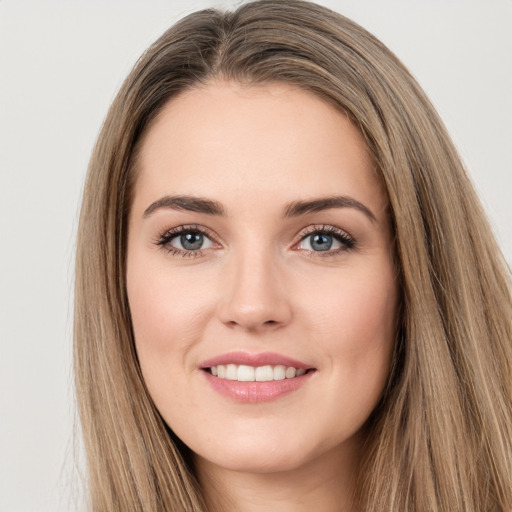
{"x":254,"y":295}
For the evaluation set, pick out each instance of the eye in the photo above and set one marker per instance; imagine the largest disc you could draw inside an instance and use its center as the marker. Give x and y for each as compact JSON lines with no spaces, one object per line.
{"x":319,"y":242}
{"x":191,"y":241}
{"x":185,"y":241}
{"x":326,"y":239}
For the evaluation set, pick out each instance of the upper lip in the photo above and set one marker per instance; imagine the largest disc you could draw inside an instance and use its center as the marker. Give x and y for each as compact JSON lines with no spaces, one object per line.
{"x":261,"y":359}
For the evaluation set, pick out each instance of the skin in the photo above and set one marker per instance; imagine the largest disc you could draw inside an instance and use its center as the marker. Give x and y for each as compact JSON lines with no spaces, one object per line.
{"x":259,"y":285}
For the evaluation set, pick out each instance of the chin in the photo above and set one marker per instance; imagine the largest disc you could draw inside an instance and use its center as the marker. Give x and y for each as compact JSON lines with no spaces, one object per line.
{"x":259,"y":461}
{"x":261,"y":454}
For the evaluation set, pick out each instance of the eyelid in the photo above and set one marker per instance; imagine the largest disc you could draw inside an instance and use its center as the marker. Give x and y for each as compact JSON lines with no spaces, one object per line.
{"x":164,"y":240}
{"x":186,"y":228}
{"x":347,"y":240}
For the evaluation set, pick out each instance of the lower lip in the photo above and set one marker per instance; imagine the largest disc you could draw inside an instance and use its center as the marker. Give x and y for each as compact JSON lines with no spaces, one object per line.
{"x":254,"y":392}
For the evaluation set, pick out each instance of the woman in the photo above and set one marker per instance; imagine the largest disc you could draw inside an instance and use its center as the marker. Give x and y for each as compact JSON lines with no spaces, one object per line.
{"x":287,"y":295}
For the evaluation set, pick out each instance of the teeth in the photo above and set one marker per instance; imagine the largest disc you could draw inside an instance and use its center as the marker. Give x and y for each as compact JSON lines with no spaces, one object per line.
{"x":290,"y":372}
{"x":264,"y":373}
{"x":245,"y":373}
{"x":279,"y":372}
{"x":231,"y":372}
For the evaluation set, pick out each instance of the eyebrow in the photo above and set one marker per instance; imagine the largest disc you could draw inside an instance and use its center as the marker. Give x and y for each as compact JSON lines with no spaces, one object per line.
{"x":316,"y":205}
{"x":188,"y":203}
{"x":294,"y":209}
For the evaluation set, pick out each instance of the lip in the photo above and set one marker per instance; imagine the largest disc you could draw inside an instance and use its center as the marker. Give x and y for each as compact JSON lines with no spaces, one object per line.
{"x":261,"y":359}
{"x":255,"y":392}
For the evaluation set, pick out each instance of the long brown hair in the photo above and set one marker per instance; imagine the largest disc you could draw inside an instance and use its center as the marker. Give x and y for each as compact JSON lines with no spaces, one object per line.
{"x":441,"y":437}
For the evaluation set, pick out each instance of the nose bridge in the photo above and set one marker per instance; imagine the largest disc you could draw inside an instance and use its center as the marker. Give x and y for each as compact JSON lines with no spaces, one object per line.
{"x":255,"y":296}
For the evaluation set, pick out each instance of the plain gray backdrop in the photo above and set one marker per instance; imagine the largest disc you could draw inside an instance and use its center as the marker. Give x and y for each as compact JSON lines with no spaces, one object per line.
{"x":61,"y":64}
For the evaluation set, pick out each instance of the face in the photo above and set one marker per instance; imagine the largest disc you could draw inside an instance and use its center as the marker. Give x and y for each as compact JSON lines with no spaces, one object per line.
{"x":260,"y":275}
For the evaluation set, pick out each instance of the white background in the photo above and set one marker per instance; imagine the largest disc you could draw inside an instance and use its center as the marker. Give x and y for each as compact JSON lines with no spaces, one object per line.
{"x":61,"y":64}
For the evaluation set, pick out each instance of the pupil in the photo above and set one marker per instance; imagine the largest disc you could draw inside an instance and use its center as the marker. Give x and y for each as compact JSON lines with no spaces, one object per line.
{"x":321,"y":242}
{"x":191,"y":241}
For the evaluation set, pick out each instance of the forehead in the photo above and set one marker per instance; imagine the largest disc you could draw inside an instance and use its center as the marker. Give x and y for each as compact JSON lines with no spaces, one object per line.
{"x":274,"y":140}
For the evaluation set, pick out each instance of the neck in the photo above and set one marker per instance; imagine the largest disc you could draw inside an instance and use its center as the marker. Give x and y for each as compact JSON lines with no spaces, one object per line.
{"x":324,"y":484}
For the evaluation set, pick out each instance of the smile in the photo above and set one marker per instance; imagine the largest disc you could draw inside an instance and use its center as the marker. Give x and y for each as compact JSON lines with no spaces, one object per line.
{"x":245,"y":373}
{"x":253,"y":378}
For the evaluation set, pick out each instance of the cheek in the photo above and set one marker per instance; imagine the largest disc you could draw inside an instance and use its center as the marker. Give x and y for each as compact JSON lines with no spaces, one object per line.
{"x":166,"y":322}
{"x":168,"y":315}
{"x":357,"y":322}
{"x":358,"y":309}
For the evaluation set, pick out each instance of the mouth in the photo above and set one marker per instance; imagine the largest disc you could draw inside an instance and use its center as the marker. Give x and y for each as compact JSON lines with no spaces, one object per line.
{"x":246,"y":373}
{"x":263,"y":377}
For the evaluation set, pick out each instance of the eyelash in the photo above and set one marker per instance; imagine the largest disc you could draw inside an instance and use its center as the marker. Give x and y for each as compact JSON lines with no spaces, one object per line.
{"x":165,"y":240}
{"x":347,"y":241}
